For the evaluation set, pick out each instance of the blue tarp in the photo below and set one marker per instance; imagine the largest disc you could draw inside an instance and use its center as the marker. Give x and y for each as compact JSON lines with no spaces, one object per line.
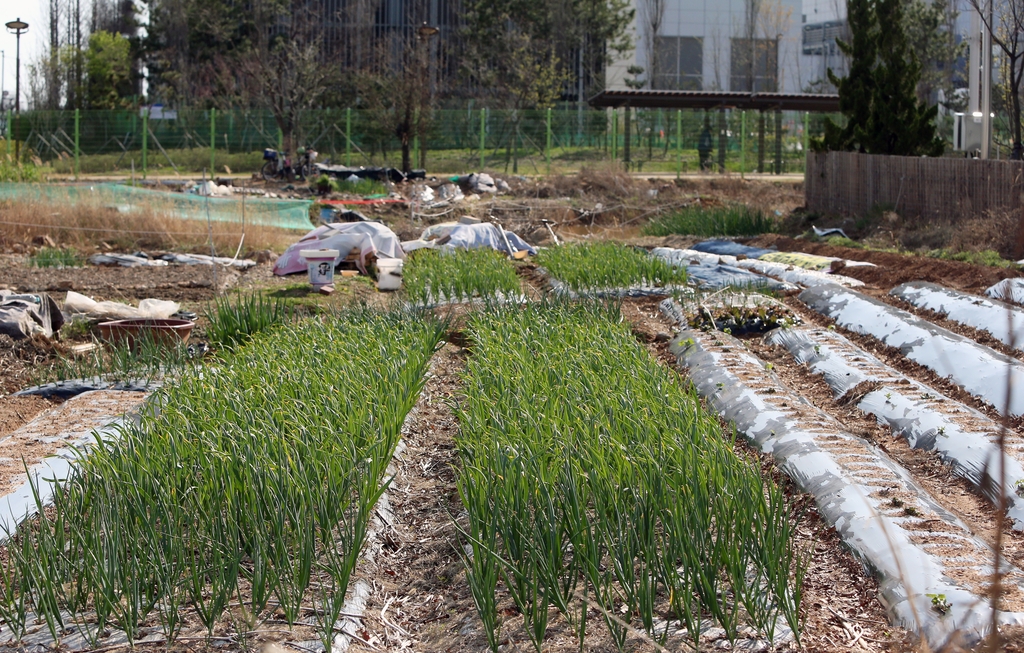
{"x":730,"y":248}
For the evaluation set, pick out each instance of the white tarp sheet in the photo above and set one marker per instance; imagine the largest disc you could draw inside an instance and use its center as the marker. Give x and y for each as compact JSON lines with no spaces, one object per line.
{"x":77,"y":304}
{"x":485,"y":234}
{"x":367,"y":237}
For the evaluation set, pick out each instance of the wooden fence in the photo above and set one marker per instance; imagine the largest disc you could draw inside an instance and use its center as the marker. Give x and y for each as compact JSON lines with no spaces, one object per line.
{"x":852,"y":183}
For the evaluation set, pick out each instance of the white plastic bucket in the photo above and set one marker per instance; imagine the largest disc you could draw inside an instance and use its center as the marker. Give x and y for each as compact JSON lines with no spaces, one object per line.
{"x":389,"y":273}
{"x":320,"y":263}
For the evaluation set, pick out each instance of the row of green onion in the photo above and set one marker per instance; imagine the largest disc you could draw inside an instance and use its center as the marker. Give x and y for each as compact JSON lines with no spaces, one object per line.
{"x":436,"y":276}
{"x":604,"y":266}
{"x":247,"y":488}
{"x":593,"y":478}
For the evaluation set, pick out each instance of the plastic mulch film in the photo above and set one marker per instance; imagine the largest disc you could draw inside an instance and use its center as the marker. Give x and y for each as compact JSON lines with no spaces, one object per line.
{"x":932,"y":570}
{"x":1010,"y":290}
{"x":981,"y":370}
{"x":1002,"y":321}
{"x":797,"y":275}
{"x":962,"y":437}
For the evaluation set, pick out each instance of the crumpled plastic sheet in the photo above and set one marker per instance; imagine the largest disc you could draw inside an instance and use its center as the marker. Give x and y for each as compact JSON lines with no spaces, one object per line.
{"x":1010,"y":290}
{"x":691,"y":257}
{"x":78,"y":304}
{"x":1002,"y":321}
{"x":980,"y":370}
{"x":962,"y":437}
{"x":717,"y":271}
{"x":23,"y":316}
{"x":850,"y":480}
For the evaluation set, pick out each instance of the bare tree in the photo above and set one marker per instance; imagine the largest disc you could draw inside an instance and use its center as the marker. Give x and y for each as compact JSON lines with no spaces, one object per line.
{"x":652,"y":14}
{"x":1005,"y":20}
{"x":397,"y":89}
{"x":286,"y":65}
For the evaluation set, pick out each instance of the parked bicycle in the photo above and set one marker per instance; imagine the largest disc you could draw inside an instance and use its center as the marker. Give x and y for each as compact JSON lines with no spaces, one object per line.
{"x":278,"y":167}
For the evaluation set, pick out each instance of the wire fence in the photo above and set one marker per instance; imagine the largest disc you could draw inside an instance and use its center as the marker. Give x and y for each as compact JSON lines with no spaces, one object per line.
{"x":453,"y":141}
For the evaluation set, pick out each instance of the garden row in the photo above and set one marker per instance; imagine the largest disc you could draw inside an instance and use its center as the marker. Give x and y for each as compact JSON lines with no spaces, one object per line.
{"x":247,"y":486}
{"x":594,"y":479}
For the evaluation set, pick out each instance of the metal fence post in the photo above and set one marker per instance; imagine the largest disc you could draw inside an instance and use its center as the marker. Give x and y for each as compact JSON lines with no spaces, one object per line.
{"x":547,"y":145}
{"x":213,"y":140}
{"x":679,"y":142}
{"x":348,"y":136}
{"x":743,"y":143}
{"x":807,"y":137}
{"x":145,"y":141}
{"x":483,"y":137}
{"x":77,"y":137}
{"x":615,"y":134}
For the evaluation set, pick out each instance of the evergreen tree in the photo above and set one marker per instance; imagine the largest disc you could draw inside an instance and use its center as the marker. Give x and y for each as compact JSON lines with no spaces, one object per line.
{"x":855,"y":88}
{"x":898,"y":124}
{"x":878,"y":96}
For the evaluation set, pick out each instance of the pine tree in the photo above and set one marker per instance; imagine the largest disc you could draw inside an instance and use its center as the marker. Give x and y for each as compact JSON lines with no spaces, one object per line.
{"x":899,"y":124}
{"x":878,"y":96}
{"x":854,"y":89}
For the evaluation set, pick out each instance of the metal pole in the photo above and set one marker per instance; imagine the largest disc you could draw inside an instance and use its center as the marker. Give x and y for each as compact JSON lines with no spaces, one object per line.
{"x":547,"y":145}
{"x":483,"y":136}
{"x":743,"y":144}
{"x":348,"y":137}
{"x":17,"y":73}
{"x":213,"y":141}
{"x":615,"y":134}
{"x":807,"y":137}
{"x":986,"y":84}
{"x":77,"y":141}
{"x":145,"y":141}
{"x":679,"y":142}
{"x":8,"y":139}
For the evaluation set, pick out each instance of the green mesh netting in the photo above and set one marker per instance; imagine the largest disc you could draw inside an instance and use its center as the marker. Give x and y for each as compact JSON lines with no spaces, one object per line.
{"x":284,"y":214}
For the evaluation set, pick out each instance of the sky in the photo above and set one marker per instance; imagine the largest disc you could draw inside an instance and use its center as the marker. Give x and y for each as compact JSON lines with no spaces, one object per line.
{"x":33,"y":43}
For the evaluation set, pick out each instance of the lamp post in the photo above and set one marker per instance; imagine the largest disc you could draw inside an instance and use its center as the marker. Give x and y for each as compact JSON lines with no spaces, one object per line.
{"x":17,"y":27}
{"x":423,"y":34}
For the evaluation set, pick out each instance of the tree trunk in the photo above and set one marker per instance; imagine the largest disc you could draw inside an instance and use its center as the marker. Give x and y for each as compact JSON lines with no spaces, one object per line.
{"x":1015,"y":127}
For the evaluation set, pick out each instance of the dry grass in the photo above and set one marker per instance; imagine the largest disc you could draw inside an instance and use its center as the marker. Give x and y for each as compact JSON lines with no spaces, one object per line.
{"x":90,"y":224}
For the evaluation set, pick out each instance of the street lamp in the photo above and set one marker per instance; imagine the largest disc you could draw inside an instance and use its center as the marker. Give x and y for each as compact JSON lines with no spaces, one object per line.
{"x":17,"y":27}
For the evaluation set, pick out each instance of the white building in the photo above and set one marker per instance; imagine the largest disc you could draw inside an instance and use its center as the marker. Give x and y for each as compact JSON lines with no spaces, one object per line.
{"x":726,"y":45}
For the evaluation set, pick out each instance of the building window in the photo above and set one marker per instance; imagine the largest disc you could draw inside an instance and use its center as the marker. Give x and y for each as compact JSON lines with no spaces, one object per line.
{"x":754,"y":65}
{"x":679,"y":63}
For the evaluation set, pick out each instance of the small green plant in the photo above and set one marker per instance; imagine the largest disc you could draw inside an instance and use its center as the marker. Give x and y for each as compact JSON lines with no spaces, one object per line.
{"x":140,"y":363}
{"x":719,"y":221}
{"x":769,"y":366}
{"x":235,"y":319}
{"x":325,"y":185}
{"x":942,"y":430}
{"x":896,"y":502}
{"x":54,"y":257}
{"x":987,"y":257}
{"x":911,"y":511}
{"x":939,"y":603}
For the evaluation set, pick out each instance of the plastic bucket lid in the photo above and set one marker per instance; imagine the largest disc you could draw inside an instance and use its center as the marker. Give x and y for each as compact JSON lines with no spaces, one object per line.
{"x":318,"y":254}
